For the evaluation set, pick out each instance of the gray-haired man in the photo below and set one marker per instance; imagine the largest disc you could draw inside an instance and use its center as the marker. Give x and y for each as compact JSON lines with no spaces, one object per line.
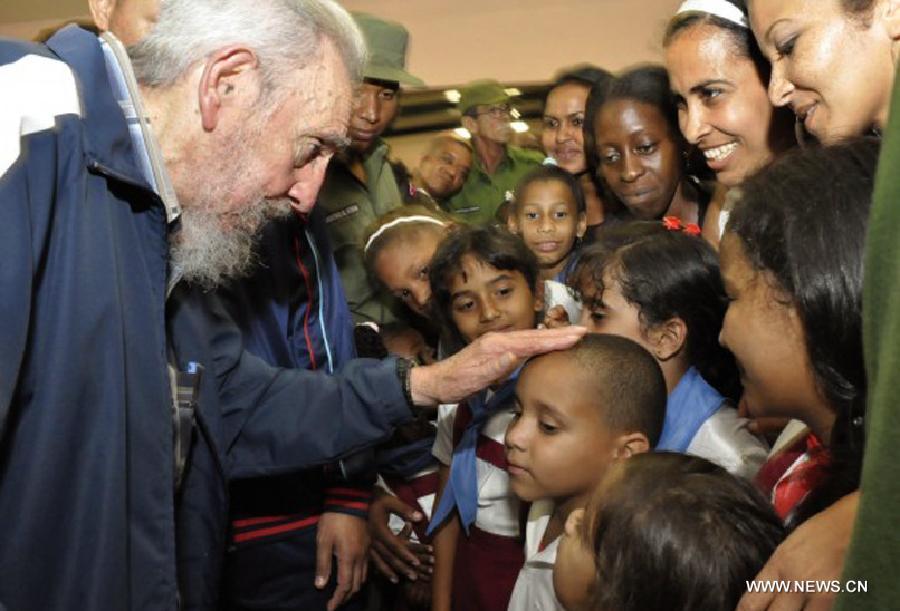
{"x":121,"y":177}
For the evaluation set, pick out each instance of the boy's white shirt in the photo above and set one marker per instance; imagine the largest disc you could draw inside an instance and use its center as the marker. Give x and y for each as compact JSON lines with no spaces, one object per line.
{"x":498,"y":507}
{"x":534,"y":586}
{"x":443,"y":439}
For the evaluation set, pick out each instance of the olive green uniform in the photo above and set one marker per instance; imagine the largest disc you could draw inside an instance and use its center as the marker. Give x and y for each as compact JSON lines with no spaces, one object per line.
{"x":350,"y":207}
{"x":483,"y":193}
{"x":874,"y":553}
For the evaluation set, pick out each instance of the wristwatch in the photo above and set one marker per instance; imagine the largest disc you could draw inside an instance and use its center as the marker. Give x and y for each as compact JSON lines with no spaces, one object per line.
{"x":404,"y":367}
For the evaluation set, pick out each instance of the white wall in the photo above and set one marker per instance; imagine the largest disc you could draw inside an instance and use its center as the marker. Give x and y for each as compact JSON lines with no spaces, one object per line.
{"x":523,"y":40}
{"x":460,"y":40}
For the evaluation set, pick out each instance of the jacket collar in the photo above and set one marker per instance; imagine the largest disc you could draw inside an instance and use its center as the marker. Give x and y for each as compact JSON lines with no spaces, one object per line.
{"x":107,"y":141}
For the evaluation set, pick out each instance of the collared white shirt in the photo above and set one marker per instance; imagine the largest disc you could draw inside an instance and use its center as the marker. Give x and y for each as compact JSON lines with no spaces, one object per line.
{"x":498,"y":507}
{"x":534,"y":587}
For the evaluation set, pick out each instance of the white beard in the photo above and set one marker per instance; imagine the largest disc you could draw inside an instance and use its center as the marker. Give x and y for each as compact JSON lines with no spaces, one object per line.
{"x":208,"y":254}
{"x":214,"y":245}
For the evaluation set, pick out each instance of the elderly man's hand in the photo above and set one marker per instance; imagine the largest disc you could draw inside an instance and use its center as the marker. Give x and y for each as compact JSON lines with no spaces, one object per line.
{"x":490,"y":358}
{"x":815,"y":551}
{"x":346,"y":538}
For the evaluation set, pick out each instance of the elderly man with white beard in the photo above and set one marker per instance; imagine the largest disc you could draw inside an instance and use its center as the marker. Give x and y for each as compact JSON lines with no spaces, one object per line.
{"x":127,"y":177}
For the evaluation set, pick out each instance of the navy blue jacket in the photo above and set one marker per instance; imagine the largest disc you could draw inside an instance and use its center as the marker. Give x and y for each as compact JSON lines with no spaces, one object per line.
{"x":296,"y":273}
{"x":293,"y":313}
{"x":258,"y":421}
{"x":86,"y":465}
{"x":86,"y":484}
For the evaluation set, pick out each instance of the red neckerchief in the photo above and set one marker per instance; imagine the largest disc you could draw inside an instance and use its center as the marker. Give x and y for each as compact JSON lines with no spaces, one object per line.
{"x":801,"y":477}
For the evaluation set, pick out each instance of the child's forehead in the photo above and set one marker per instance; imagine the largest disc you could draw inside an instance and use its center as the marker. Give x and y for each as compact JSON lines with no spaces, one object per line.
{"x":397,"y":243}
{"x":421,"y":233}
{"x":602,"y":274}
{"x":550,"y":190}
{"x":473,"y":271}
{"x":559,"y":380}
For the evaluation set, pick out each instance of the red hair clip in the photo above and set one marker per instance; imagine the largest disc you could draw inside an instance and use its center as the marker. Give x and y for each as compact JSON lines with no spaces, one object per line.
{"x":673,"y":223}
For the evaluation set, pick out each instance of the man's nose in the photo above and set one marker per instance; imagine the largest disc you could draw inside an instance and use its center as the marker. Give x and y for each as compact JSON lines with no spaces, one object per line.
{"x":307,"y":182}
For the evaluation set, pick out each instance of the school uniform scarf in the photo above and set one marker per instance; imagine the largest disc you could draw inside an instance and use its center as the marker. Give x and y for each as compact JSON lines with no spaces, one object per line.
{"x":461,"y":490}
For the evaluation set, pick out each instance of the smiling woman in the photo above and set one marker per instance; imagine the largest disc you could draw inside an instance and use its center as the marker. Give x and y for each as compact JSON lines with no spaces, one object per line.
{"x":832,"y":61}
{"x":719,"y":78}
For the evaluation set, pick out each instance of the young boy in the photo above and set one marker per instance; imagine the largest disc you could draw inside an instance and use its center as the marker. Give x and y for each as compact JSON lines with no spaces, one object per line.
{"x":548,"y":211}
{"x":578,"y":411}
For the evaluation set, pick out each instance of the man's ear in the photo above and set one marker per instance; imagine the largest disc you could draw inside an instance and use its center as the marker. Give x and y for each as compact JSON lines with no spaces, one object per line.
{"x":629,"y":444}
{"x":470,"y":124}
{"x":229,"y":74}
{"x":668,"y":338}
{"x":101,"y":11}
{"x":581,"y":227}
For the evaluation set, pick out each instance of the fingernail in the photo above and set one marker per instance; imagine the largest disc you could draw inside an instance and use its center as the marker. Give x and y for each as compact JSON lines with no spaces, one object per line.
{"x":320,"y":582}
{"x":417,"y":516}
{"x":395,"y":580}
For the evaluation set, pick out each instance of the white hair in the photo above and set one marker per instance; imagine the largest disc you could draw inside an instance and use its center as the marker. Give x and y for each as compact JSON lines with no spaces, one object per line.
{"x":285,"y":35}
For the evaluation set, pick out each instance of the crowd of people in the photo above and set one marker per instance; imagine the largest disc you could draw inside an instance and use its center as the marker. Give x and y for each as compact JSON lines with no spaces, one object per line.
{"x":251,"y":361}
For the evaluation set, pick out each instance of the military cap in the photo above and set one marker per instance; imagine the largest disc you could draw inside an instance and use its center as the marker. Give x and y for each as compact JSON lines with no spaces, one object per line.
{"x":386,"y":42}
{"x":484,"y":92}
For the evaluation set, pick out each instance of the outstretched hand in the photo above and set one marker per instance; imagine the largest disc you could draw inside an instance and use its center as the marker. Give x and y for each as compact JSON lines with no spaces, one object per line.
{"x":491,"y":357}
